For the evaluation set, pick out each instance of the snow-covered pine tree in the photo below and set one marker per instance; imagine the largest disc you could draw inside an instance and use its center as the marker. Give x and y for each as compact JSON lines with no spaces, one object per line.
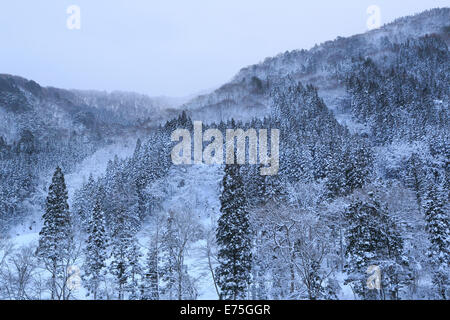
{"x":82,"y":204}
{"x":135,"y":271}
{"x":233,"y":237}
{"x":150,"y":281}
{"x":359,"y":167}
{"x":414,"y":177}
{"x":373,"y":238}
{"x":138,"y":176}
{"x":56,"y":246}
{"x":260,"y":265}
{"x":125,"y":254}
{"x":438,"y":228}
{"x":169,"y":270}
{"x":95,"y":252}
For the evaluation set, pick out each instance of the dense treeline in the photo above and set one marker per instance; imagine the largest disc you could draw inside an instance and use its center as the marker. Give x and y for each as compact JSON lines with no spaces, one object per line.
{"x":23,"y":163}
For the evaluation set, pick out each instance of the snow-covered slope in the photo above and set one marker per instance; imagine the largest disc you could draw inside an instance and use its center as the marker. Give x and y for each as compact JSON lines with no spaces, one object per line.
{"x":246,"y":95}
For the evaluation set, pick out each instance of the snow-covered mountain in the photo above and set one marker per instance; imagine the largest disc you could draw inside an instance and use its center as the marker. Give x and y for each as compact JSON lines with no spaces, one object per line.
{"x":363,"y":180}
{"x":246,"y":95}
{"x":24,"y":104}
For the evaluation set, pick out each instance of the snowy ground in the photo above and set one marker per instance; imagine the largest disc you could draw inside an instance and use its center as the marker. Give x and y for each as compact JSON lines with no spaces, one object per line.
{"x":96,"y":164}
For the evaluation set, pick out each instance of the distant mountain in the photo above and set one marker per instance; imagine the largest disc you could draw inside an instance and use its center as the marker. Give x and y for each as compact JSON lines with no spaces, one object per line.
{"x":247,"y":95}
{"x":24,"y":104}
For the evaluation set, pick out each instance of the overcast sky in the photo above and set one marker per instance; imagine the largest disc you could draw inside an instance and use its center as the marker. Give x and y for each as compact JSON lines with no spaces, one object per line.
{"x":170,"y":47}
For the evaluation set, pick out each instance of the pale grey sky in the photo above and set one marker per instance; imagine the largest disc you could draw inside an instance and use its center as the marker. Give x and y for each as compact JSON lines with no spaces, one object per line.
{"x":170,"y":47}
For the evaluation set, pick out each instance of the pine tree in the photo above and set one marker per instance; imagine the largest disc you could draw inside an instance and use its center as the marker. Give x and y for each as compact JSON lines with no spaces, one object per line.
{"x":56,"y":237}
{"x":374,"y":239}
{"x":358,"y":167}
{"x":233,"y":237}
{"x":125,"y":255}
{"x":135,"y":280}
{"x":150,"y":283}
{"x":95,"y":251}
{"x":83,"y":202}
{"x":438,"y":228}
{"x":170,"y":268}
{"x":415,"y":176}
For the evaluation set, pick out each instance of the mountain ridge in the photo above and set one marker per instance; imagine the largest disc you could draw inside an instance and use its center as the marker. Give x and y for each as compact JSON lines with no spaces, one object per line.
{"x":246,"y":96}
{"x":307,"y":66}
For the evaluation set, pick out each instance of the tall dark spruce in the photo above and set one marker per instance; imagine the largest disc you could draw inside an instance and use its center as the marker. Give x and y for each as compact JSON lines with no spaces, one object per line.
{"x":233,"y":237}
{"x":56,"y":237}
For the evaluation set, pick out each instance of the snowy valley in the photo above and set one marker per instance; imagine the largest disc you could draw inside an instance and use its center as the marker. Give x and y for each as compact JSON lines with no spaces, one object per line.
{"x":92,"y":207}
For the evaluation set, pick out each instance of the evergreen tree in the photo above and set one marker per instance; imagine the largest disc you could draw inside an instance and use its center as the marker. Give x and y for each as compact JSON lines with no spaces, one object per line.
{"x":135,"y":280}
{"x":358,"y":168}
{"x":83,"y":202}
{"x":415,"y":177}
{"x":56,"y":237}
{"x":233,"y":237}
{"x":95,"y":251}
{"x":438,"y":228}
{"x":150,"y":283}
{"x":125,"y":255}
{"x":374,"y":239}
{"x":170,"y":268}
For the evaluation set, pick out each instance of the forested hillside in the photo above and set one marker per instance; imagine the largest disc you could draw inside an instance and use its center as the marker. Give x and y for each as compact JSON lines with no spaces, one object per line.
{"x":363,"y":183}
